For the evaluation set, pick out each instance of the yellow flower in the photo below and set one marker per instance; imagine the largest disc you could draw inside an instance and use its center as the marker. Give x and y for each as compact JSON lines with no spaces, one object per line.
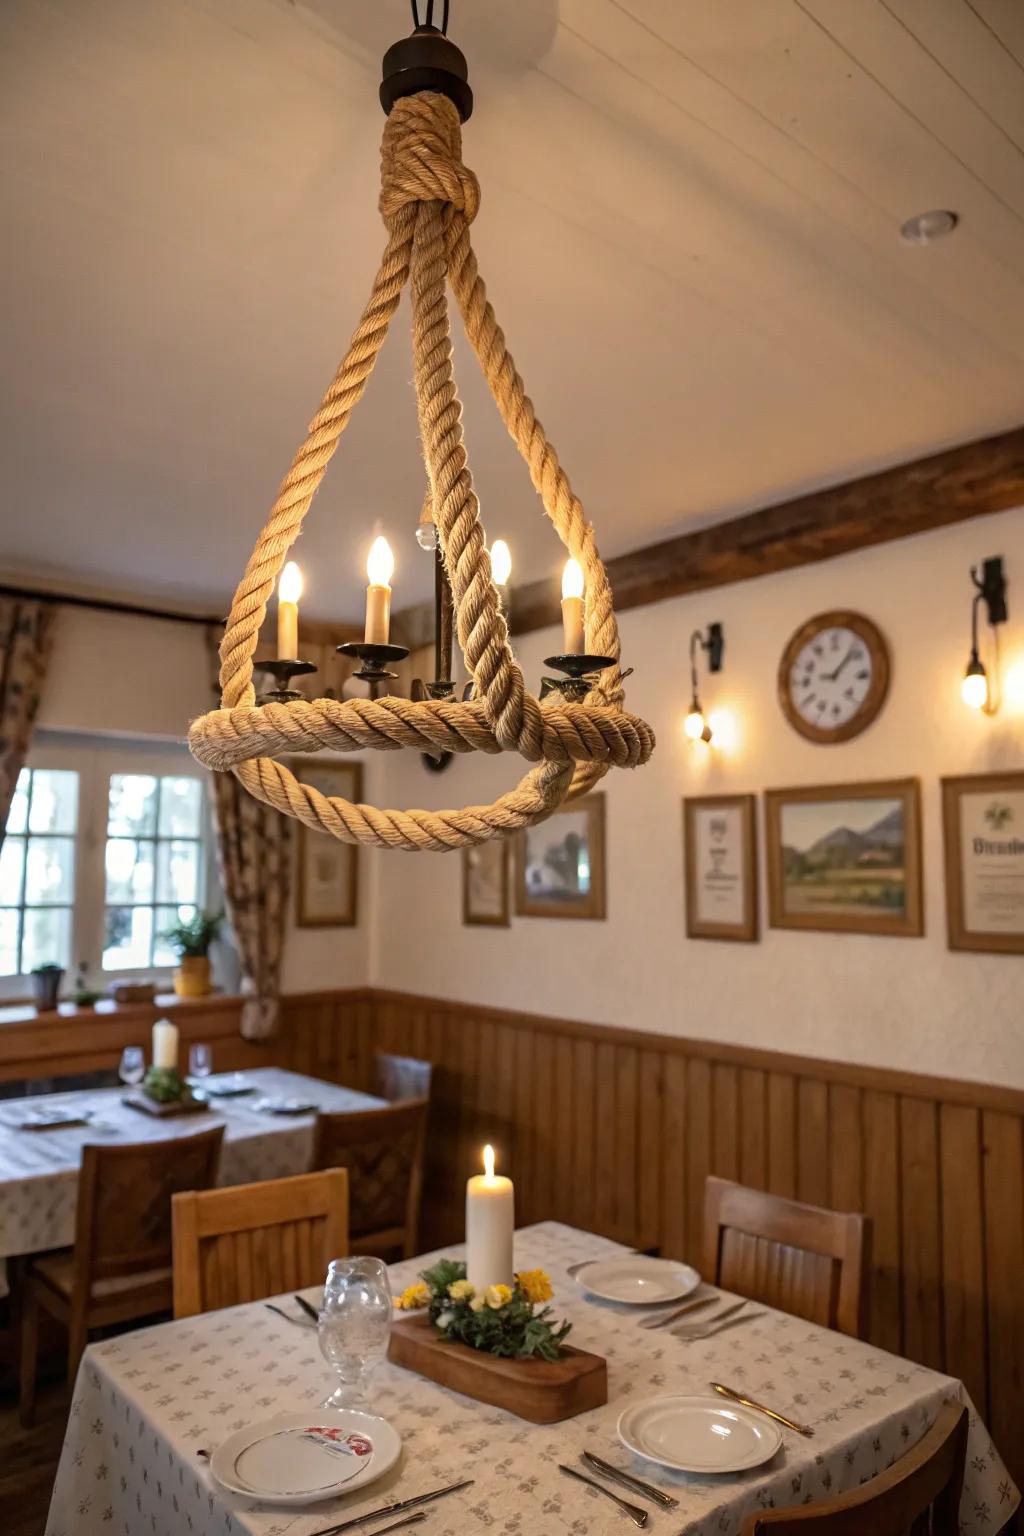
{"x":461,"y":1290}
{"x":477,"y":1304}
{"x":497,"y":1295}
{"x":535,"y":1285}
{"x":412,"y":1297}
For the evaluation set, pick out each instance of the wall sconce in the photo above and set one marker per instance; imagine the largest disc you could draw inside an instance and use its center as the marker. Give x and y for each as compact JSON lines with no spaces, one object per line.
{"x":695,"y":726}
{"x":989,"y":589}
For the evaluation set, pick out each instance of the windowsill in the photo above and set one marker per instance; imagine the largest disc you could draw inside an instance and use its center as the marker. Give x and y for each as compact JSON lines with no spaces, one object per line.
{"x":164,"y":1002}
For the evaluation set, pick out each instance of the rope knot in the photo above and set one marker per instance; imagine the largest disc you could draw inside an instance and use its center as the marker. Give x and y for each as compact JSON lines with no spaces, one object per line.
{"x":421,"y":158}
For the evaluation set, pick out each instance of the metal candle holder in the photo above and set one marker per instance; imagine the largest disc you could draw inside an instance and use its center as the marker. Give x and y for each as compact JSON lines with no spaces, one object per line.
{"x":374,"y":659}
{"x":283,"y":671}
{"x":574,"y":686}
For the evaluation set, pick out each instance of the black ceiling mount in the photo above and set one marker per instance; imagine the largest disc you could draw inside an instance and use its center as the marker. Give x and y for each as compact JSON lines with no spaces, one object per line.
{"x":426,"y":61}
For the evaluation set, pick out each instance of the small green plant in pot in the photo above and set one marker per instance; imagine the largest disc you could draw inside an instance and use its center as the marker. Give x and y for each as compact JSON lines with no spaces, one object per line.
{"x":192,"y":939}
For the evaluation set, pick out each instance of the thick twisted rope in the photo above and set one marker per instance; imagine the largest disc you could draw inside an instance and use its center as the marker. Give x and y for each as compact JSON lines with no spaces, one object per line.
{"x":428,"y":199}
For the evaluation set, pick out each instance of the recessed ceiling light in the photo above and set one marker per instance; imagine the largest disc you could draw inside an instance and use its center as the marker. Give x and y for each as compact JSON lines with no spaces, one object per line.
{"x":924,"y":228}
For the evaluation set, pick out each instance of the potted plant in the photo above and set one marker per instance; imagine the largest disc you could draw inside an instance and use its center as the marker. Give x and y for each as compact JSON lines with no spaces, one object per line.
{"x":192,"y":939}
{"x":46,"y":980}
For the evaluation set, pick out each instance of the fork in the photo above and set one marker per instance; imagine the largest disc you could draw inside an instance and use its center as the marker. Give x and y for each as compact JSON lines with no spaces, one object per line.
{"x":709,"y":1333}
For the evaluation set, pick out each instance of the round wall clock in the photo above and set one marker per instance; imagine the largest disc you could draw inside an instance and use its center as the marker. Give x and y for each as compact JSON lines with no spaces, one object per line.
{"x":833,"y":676}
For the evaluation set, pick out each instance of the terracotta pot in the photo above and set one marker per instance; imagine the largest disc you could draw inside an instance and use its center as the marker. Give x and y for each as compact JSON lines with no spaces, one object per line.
{"x":192,"y":978}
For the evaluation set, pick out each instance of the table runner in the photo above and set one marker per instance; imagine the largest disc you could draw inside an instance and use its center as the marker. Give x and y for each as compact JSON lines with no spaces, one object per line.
{"x":146,"y":1402}
{"x":39,"y":1169}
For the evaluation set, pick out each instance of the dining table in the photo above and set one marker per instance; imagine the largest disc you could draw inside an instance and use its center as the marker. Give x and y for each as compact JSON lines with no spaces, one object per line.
{"x":39,"y":1168}
{"x":150,"y":1406}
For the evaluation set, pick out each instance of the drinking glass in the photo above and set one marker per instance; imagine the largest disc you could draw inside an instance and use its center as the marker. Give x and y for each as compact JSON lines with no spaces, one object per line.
{"x":133,"y":1066}
{"x":200,"y":1061}
{"x":354,"y":1326}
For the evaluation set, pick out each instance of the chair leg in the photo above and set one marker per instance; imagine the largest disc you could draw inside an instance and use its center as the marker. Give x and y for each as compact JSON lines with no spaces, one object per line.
{"x":29,"y":1355}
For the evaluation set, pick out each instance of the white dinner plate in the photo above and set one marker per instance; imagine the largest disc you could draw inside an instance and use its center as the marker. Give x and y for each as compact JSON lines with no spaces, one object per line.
{"x":637,"y":1279}
{"x":698,"y":1434}
{"x":229,"y":1085}
{"x":301,"y":1458}
{"x":285,"y":1106}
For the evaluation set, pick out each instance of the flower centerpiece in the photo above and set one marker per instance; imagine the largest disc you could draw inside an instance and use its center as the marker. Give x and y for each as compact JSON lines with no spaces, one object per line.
{"x":499,"y":1320}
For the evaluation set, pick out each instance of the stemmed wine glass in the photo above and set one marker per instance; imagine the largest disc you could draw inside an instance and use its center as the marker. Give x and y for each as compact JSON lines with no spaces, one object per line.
{"x":354,"y":1325}
{"x":200,"y":1061}
{"x":133,"y":1066}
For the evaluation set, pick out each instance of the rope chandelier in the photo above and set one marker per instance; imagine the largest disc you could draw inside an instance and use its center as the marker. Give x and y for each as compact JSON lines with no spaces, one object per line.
{"x":578,"y":728}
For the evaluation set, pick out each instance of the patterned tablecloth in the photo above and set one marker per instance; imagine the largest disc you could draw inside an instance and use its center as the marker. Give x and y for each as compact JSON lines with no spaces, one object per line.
{"x":146,"y":1402}
{"x":39,"y":1169}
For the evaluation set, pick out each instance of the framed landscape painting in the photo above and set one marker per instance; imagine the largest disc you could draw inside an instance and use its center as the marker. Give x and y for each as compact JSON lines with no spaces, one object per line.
{"x":983,"y":831}
{"x":720,"y":853}
{"x":560,"y":863}
{"x":485,"y":884}
{"x":327,"y":872}
{"x":846,"y":858}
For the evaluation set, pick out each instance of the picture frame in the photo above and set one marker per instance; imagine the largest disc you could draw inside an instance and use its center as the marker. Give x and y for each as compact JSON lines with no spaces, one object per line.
{"x":983,"y":839}
{"x":846,"y":858}
{"x":485,"y":881}
{"x":720,"y":864}
{"x":327,"y":871}
{"x":560,"y":863}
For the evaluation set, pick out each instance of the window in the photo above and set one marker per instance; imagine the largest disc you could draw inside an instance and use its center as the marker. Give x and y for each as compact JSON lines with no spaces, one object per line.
{"x":37,"y":871}
{"x":154,"y":865}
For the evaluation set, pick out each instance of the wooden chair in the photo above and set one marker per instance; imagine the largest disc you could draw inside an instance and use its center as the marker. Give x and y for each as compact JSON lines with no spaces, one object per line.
{"x":401,"y":1077}
{"x":255,"y":1240}
{"x":924,"y":1483}
{"x":120,"y":1266}
{"x":383,"y":1152}
{"x":799,"y":1258}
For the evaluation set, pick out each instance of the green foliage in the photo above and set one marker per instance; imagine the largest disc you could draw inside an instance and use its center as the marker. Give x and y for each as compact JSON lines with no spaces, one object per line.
{"x":164,"y":1086}
{"x":514,"y":1330}
{"x":194,"y":936}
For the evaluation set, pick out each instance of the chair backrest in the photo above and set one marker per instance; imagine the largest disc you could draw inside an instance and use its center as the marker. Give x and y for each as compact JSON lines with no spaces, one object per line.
{"x":123,"y":1220}
{"x":401,"y":1077}
{"x":383,"y":1152}
{"x":799,"y":1258}
{"x":920,"y":1492}
{"x":255,"y":1240}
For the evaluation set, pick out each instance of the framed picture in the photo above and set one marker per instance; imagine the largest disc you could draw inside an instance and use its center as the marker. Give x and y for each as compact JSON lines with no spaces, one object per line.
{"x":327,"y":878}
{"x":485,"y":884}
{"x":846,"y":858}
{"x":983,"y":832}
{"x":720,"y":851}
{"x":560,"y":863}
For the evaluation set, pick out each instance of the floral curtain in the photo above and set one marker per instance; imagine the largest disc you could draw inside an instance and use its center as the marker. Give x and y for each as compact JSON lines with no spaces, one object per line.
{"x":26,"y":635}
{"x":254,"y":844}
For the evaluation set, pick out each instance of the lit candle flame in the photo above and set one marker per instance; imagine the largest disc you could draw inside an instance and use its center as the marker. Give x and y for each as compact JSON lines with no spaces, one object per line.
{"x":289,"y":588}
{"x":572,"y":579}
{"x":501,"y":562}
{"x":380,"y":563}
{"x":489,"y":1161}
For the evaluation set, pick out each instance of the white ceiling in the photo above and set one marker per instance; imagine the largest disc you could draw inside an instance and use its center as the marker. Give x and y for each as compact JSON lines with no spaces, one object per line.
{"x":689,"y":229}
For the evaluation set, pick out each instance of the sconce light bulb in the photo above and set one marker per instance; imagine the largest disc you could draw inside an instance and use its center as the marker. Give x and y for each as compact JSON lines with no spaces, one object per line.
{"x":694,"y":726}
{"x":380,"y":563}
{"x":974,"y":688}
{"x":289,"y":588}
{"x":572,"y":579}
{"x":501,"y":562}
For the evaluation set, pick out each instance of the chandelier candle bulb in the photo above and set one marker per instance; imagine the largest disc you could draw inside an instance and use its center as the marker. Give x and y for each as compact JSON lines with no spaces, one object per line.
{"x":289,"y":590}
{"x":501,"y":564}
{"x":572,"y":608}
{"x":165,"y":1045}
{"x":380,"y":565}
{"x":490,"y":1224}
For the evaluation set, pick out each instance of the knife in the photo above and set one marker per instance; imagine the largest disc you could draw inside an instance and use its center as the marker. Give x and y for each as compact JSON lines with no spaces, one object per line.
{"x":626,"y":1480}
{"x":394,"y":1509}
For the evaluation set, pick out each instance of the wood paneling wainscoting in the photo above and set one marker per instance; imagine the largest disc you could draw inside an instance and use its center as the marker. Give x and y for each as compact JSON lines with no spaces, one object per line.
{"x":616,"y":1130}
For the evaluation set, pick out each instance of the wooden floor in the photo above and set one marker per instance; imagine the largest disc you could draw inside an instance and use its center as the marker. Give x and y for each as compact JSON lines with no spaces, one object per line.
{"x":28,"y":1460}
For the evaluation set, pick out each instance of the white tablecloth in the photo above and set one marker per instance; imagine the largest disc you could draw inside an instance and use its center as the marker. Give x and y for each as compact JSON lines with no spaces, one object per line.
{"x":146,"y":1402}
{"x":39,"y":1169}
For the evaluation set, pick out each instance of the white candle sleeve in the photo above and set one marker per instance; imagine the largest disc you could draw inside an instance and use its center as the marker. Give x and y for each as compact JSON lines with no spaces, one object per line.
{"x":165,"y":1044}
{"x":490,"y":1226}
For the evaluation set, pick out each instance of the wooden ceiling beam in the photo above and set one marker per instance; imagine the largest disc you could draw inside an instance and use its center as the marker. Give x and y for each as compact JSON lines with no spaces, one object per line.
{"x":949,"y":487}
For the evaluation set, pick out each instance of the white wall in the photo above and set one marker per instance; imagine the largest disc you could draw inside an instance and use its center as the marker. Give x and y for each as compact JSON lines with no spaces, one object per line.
{"x":907,"y":1003}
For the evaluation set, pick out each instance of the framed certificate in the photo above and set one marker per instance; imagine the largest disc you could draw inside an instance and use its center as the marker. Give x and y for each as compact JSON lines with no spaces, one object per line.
{"x":720,"y":850}
{"x":983,"y":831}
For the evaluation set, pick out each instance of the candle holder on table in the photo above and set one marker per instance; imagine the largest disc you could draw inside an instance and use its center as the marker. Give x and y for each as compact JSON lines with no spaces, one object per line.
{"x":574,"y":686}
{"x":283,"y":670}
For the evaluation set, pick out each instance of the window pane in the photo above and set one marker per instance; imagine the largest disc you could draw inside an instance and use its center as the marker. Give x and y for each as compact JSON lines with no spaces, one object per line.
{"x":128,"y":938}
{"x":18,"y":814}
{"x":54,"y":800}
{"x":132,"y":805}
{"x":12,"y":862}
{"x":166,"y":917}
{"x":47,"y":938}
{"x":177,"y":872}
{"x":180,"y":805}
{"x":9,"y":943}
{"x":129,"y":870}
{"x":50,"y":870}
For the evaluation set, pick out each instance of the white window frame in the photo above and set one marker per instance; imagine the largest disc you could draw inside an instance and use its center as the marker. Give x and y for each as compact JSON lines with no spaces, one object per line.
{"x":94,"y":759}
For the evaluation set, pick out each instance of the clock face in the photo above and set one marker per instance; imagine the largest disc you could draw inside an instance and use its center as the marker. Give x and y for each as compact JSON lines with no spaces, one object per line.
{"x":834,"y":676}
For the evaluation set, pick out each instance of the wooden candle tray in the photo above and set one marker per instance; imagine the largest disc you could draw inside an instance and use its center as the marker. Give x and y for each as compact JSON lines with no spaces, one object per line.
{"x":543,"y":1391}
{"x":148,"y":1106}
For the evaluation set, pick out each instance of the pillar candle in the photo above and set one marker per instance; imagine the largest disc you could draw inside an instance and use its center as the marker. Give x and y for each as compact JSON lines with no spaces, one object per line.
{"x":165,"y":1045}
{"x":289,"y":590}
{"x":490,"y":1224}
{"x":379,"y":568}
{"x":572,"y":608}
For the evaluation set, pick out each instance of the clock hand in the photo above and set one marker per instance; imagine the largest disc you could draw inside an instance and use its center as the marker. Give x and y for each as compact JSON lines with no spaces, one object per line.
{"x":830,"y":677}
